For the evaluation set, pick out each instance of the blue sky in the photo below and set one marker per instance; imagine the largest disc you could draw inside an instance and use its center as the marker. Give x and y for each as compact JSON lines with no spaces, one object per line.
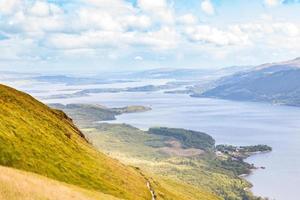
{"x":118,"y":35}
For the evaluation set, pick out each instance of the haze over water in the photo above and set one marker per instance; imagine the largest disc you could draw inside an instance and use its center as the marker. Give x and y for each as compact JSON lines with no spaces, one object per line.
{"x":230,"y":122}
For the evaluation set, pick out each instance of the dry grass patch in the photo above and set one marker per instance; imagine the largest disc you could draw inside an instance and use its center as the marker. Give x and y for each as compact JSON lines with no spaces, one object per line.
{"x":16,"y":184}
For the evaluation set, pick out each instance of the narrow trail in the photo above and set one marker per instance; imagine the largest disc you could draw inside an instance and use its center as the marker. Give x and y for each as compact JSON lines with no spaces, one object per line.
{"x":149,"y":186}
{"x":151,"y":190}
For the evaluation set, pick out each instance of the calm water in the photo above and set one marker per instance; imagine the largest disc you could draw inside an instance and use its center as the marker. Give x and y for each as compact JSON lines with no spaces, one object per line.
{"x":239,"y":123}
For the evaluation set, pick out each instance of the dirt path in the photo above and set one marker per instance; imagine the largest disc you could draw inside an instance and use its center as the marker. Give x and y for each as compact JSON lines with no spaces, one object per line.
{"x":151,"y":190}
{"x":149,"y":186}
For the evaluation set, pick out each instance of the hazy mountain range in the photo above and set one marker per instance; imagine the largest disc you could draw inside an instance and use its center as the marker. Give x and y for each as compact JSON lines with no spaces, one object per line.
{"x":273,"y":82}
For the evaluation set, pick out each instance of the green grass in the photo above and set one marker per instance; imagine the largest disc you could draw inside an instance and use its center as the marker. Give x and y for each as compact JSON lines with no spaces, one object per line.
{"x":135,"y":147}
{"x":168,"y":189}
{"x":125,"y":140}
{"x":35,"y":138}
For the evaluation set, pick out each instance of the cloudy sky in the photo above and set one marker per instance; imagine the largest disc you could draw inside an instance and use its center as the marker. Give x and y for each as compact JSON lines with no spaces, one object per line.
{"x":140,"y":34}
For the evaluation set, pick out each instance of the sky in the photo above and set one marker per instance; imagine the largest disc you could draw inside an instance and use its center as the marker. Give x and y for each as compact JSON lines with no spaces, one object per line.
{"x":122,"y":35}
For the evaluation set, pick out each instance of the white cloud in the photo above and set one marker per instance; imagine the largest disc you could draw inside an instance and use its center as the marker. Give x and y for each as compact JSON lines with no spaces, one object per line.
{"x":116,"y":28}
{"x":208,"y":7}
{"x":163,"y":39}
{"x":40,"y":9}
{"x":33,"y":20}
{"x":44,"y":9}
{"x":91,"y":18}
{"x":187,"y":19}
{"x":109,"y":4}
{"x":86,"y":40}
{"x":266,"y":17}
{"x":272,"y":2}
{"x":215,"y":36}
{"x":133,"y":21}
{"x":17,"y":48}
{"x":264,"y":30}
{"x":138,"y":58}
{"x":8,"y":7}
{"x":159,"y":9}
{"x":290,"y":29}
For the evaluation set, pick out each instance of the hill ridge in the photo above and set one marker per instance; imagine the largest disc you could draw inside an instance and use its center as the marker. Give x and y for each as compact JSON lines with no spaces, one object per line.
{"x":38,"y":139}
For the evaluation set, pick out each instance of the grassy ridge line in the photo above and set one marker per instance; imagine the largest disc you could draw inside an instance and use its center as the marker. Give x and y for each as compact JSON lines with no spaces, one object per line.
{"x":16,"y":184}
{"x":35,"y":138}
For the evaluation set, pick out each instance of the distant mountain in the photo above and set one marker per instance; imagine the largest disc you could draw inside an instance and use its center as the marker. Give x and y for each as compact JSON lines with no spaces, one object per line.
{"x":109,"y":77}
{"x":73,"y":80}
{"x":169,"y":73}
{"x":274,"y":82}
{"x":186,"y":74}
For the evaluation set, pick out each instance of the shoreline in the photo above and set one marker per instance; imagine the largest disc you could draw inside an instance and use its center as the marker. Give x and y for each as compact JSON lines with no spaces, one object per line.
{"x":252,"y":171}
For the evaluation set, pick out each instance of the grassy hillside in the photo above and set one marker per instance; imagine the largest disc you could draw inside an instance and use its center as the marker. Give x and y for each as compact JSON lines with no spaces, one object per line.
{"x":169,"y":189}
{"x":35,"y":138}
{"x":16,"y":185}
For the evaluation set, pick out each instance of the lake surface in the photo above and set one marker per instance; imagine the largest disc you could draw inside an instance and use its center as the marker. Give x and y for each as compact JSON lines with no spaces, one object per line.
{"x":238,"y":123}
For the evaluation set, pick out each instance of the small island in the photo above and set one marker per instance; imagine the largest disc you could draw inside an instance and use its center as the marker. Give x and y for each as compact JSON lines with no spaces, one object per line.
{"x":131,"y":109}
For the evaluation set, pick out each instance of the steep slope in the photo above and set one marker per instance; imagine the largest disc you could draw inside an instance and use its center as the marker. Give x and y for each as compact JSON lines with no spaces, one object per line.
{"x":35,"y":138}
{"x":276,"y":82}
{"x":16,"y":184}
